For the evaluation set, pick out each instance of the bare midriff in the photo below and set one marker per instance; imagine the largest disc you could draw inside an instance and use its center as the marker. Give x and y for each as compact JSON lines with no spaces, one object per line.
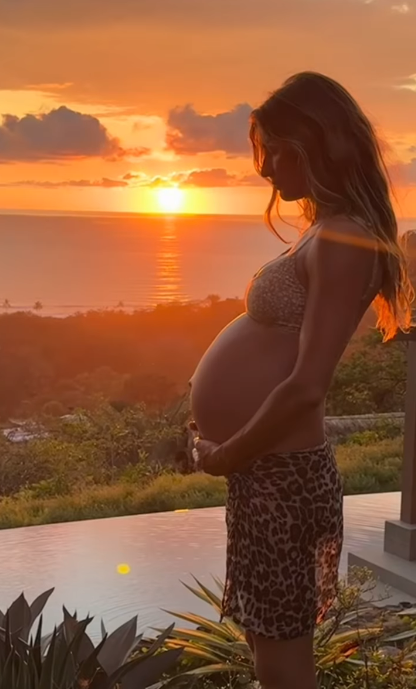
{"x":240,"y":369}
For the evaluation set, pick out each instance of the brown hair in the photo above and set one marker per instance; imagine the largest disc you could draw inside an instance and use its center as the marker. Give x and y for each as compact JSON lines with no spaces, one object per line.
{"x":345,"y":173}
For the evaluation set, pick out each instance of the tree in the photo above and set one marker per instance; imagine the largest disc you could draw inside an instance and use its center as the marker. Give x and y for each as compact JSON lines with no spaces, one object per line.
{"x":371,"y":380}
{"x":153,"y":390}
{"x":213,"y":299}
{"x":38,"y":306}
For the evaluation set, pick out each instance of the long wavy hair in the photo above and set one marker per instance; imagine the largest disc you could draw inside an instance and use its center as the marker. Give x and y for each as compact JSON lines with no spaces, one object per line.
{"x":345,"y":175}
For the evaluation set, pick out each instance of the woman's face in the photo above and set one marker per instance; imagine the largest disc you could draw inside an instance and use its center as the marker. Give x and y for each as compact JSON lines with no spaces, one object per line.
{"x":283,"y":166}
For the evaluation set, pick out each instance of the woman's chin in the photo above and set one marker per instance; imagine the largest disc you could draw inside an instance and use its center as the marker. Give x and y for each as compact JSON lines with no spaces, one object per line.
{"x":288,"y":196}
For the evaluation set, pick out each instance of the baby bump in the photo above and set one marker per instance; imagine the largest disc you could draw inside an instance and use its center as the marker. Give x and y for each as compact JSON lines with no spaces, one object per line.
{"x":235,"y":376}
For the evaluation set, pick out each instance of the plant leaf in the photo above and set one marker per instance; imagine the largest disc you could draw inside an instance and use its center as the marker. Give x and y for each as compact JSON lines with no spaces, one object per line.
{"x":48,"y":666}
{"x":118,"y":646}
{"x":211,"y":599}
{"x":195,"y":652}
{"x":36,"y":654}
{"x":219,"y":584}
{"x":140,"y":675}
{"x":20,"y":617}
{"x":403,"y":636}
{"x":220,"y":628}
{"x":214,"y":669}
{"x":158,"y":643}
{"x":214,"y":600}
{"x":36,"y":608}
{"x":209,"y":640}
{"x":353,"y":635}
{"x":91,"y":667}
{"x":408,"y":612}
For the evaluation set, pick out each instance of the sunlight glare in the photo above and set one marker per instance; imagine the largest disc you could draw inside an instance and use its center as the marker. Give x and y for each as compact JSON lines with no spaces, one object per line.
{"x":123,"y":569}
{"x":170,"y":199}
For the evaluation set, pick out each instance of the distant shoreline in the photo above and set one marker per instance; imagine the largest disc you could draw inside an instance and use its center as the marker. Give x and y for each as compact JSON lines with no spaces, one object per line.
{"x":85,"y":309}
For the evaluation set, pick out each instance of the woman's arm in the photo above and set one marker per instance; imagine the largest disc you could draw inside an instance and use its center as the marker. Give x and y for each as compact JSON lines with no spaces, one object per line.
{"x":340,"y":266}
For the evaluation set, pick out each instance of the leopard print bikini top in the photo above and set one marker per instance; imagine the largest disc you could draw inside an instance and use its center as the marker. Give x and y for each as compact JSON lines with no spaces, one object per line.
{"x":276,"y":297}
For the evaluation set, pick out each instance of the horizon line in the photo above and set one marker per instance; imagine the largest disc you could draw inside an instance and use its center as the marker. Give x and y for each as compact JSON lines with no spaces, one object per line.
{"x":142,"y":214}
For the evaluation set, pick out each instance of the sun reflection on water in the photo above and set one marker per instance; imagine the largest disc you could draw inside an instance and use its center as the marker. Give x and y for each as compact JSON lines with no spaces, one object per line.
{"x":169,"y":278}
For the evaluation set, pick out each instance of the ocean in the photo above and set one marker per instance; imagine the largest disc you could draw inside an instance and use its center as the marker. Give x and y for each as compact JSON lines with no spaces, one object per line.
{"x":75,"y":263}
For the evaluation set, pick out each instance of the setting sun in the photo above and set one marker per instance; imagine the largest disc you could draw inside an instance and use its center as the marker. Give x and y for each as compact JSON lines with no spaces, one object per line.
{"x":170,"y":199}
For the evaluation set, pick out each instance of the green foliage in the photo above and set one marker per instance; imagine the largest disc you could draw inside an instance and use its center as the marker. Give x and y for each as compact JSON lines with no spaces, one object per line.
{"x":163,"y":494}
{"x":372,"y":468}
{"x":85,"y":473}
{"x":89,"y":448}
{"x":67,"y":658}
{"x":372,"y":379}
{"x":384,"y":430}
{"x":356,"y":647}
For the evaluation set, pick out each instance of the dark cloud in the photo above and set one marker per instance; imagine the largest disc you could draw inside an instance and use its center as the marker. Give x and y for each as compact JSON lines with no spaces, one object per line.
{"x":208,"y":178}
{"x":56,"y":135}
{"x":104,"y":183}
{"x":190,"y":132}
{"x":130,"y":176}
{"x":218,"y":177}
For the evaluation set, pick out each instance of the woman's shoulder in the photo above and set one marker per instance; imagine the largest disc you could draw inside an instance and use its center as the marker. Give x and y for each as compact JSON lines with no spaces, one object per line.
{"x":344,"y":247}
{"x":346,"y":231}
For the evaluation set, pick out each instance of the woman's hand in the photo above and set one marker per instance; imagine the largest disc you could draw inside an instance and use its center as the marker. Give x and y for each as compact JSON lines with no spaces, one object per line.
{"x":209,"y":458}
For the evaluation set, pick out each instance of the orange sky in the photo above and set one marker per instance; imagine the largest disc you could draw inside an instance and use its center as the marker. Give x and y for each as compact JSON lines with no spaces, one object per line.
{"x":107,"y":102}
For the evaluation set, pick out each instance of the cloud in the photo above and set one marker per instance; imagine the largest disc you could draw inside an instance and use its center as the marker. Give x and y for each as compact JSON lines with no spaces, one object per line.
{"x":408,"y":83}
{"x":130,"y":176}
{"x":405,"y":173}
{"x":402,"y":174}
{"x":50,"y":86}
{"x":190,"y":132}
{"x":204,"y":179}
{"x":218,"y":177}
{"x":198,"y":178}
{"x":104,"y":183}
{"x":59,"y":134}
{"x":403,"y":8}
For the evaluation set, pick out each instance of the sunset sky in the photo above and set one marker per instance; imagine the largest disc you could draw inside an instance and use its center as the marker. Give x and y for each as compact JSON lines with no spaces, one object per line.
{"x":109,"y":104}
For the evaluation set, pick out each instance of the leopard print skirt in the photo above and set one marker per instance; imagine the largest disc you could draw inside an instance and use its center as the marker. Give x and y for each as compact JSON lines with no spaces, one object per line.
{"x":284,"y":540}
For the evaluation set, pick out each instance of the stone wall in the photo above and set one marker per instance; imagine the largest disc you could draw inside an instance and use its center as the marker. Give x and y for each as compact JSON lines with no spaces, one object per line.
{"x":338,"y":427}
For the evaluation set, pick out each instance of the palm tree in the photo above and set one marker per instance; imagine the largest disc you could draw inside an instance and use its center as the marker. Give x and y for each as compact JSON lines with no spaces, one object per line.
{"x":6,"y":304}
{"x":38,"y":306}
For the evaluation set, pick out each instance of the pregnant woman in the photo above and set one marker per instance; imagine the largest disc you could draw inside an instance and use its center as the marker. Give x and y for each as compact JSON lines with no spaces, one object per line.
{"x":258,"y":394}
